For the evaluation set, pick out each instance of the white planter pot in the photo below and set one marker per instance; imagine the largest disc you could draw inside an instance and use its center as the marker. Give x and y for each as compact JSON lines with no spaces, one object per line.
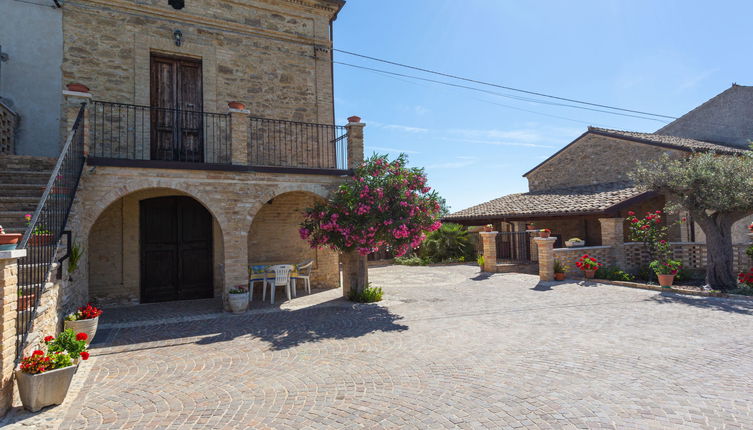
{"x":84,"y":326}
{"x":574,"y":243}
{"x":238,"y":302}
{"x":44,"y":389}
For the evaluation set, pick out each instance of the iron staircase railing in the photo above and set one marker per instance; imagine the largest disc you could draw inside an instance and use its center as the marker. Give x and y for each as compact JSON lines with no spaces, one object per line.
{"x":45,"y":229}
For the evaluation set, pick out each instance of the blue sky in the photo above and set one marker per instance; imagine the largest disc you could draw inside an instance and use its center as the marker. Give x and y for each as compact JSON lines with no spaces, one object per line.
{"x":663,"y":57}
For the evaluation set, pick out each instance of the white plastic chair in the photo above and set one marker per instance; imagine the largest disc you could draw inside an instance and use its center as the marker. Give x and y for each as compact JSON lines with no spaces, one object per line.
{"x":282,"y":277}
{"x":304,"y":272}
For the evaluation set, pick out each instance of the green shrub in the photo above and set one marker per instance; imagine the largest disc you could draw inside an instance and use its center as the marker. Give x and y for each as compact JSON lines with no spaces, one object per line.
{"x":368,"y":295}
{"x":480,"y":260}
{"x":450,"y":243}
{"x":411,"y":260}
{"x":613,"y":273}
{"x":560,"y":267}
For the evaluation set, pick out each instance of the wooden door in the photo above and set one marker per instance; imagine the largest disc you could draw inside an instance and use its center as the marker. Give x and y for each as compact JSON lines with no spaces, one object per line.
{"x":176,"y":250}
{"x":177,"y":103}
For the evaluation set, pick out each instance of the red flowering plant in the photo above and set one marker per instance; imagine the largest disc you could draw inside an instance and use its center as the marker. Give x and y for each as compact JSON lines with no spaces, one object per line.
{"x":746,"y":278}
{"x":750,"y":227}
{"x":384,"y":205}
{"x":652,"y":232}
{"x":85,"y":313}
{"x":40,"y":362}
{"x":70,"y":342}
{"x":586,"y":262}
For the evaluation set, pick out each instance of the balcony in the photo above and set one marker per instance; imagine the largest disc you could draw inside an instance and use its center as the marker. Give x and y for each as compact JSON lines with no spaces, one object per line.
{"x":145,"y":136}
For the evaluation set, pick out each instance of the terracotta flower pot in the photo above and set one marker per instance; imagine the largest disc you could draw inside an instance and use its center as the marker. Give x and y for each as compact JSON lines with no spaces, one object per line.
{"x":354,"y":118}
{"x":236,"y":105}
{"x":8,"y":241}
{"x":488,"y":229}
{"x":666,"y":280}
{"x":41,"y":239}
{"x":44,"y":389}
{"x":26,"y":302}
{"x":80,"y":88}
{"x":88,"y":326}
{"x":559,"y":276}
{"x":545,"y":234}
{"x":589,"y":274}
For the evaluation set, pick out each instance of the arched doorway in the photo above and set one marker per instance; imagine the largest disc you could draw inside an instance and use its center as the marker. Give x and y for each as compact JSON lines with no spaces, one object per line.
{"x":176,"y":249}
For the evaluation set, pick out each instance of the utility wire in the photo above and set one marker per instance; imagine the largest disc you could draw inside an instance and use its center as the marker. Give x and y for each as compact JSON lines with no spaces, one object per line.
{"x":535,"y":93}
{"x":481,"y":90}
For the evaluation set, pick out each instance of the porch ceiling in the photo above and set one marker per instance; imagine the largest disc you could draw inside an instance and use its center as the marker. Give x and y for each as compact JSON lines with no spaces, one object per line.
{"x":598,"y":199}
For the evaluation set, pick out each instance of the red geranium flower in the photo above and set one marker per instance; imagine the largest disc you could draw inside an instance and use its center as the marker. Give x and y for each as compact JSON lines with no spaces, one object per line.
{"x":84,"y":355}
{"x":48,"y":339}
{"x":81,"y":336}
{"x":37,"y":352}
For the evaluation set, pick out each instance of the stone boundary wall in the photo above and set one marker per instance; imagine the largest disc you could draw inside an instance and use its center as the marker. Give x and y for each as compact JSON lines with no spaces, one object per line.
{"x":692,"y":255}
{"x":569,"y":256}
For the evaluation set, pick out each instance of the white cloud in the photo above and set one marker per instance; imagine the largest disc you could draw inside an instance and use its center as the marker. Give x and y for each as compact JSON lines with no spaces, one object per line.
{"x":498,"y":142}
{"x":406,"y":128}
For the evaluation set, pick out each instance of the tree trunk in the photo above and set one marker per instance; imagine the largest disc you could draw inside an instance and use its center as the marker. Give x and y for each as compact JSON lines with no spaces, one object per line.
{"x":718,"y":230}
{"x":355,"y":272}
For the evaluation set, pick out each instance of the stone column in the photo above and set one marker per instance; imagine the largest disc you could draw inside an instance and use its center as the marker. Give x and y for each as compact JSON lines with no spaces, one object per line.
{"x":239,"y":128}
{"x":355,"y":271}
{"x":546,"y":257}
{"x":74,"y":97}
{"x":8,"y":303}
{"x":489,"y":242}
{"x":612,"y":234}
{"x":355,"y":141}
{"x":235,"y":245}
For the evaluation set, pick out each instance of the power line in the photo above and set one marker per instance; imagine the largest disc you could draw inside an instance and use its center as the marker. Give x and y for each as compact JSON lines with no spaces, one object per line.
{"x":535,"y":93}
{"x":494,"y":92}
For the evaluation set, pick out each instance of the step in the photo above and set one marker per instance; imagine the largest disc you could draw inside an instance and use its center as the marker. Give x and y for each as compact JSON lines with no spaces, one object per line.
{"x":26,"y":162}
{"x":25,"y":177}
{"x":14,"y":203}
{"x":22,"y":190}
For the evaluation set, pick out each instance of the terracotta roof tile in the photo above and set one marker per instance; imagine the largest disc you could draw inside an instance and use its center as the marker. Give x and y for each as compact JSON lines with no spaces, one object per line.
{"x":579,"y":200}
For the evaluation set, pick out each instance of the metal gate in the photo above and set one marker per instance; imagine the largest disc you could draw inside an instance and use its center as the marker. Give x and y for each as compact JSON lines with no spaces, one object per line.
{"x":515,"y":247}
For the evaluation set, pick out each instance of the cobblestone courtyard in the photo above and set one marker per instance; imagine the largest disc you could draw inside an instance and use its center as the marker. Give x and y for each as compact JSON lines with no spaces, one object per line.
{"x":448,"y":348}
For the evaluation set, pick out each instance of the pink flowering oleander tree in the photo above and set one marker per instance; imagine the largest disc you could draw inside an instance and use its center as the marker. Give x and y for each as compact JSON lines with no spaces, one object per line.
{"x":384,"y":205}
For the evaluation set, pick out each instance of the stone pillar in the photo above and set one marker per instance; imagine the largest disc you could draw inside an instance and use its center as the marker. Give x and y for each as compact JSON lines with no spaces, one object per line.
{"x":8,"y":303}
{"x":546,"y":257}
{"x":489,"y":242}
{"x":239,"y":128}
{"x":612,"y":234}
{"x":235,"y":245}
{"x":75,"y":95}
{"x":355,"y":141}
{"x":355,"y":271}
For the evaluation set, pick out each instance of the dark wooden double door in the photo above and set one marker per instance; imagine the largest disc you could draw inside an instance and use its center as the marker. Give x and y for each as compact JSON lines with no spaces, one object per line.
{"x":176,"y":250}
{"x":176,"y":109}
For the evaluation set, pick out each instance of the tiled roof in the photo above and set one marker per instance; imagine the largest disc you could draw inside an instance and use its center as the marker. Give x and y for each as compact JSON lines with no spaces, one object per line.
{"x":588,"y":199}
{"x":681,"y":143}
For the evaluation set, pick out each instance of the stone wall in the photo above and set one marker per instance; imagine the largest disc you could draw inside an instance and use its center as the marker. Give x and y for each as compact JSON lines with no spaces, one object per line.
{"x":568,"y":257}
{"x":272,"y":56}
{"x":593,"y":159}
{"x":233,"y":198}
{"x":274,"y":238}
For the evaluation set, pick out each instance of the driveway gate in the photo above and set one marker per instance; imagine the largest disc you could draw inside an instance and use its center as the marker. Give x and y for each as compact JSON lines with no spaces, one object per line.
{"x":516,"y":247}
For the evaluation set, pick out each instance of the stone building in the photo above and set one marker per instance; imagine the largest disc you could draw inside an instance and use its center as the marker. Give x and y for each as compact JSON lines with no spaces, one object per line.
{"x":205,"y":127}
{"x":585,"y":183}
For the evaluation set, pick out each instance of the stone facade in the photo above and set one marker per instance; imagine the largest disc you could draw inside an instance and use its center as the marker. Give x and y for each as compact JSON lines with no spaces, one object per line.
{"x":271,"y":55}
{"x":8,"y":304}
{"x":106,"y":210}
{"x":593,"y":159}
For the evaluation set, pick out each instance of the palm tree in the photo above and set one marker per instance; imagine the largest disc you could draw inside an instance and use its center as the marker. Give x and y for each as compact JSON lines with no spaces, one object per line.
{"x":449,"y":242}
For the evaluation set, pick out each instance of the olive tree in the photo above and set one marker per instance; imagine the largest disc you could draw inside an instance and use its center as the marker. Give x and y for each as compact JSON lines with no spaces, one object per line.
{"x":716,"y":190}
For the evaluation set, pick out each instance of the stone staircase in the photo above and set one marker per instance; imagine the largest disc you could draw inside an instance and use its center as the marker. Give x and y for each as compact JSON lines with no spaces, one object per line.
{"x":22,"y":182}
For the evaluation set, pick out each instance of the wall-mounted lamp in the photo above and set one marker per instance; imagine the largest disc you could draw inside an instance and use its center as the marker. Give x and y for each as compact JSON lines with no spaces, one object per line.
{"x":178,"y":37}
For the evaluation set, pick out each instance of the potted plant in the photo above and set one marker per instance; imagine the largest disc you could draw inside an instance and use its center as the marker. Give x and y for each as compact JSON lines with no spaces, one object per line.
{"x":545,"y":232}
{"x":8,"y":241}
{"x":559,"y":270}
{"x":574,"y":242}
{"x":43,"y":378}
{"x":531,"y":226}
{"x":238,"y":299}
{"x":489,"y":227}
{"x":26,"y":301}
{"x":40,"y":235}
{"x":588,"y":265}
{"x":665,"y":270}
{"x":84,"y":320}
